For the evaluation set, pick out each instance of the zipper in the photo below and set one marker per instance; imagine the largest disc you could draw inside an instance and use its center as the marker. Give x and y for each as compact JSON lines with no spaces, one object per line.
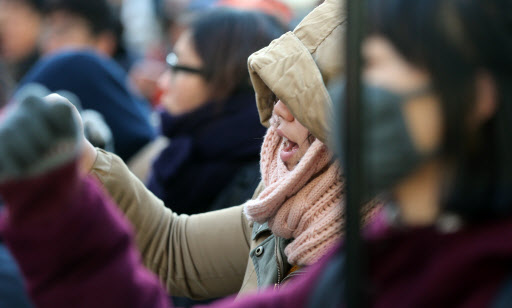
{"x":279,"y":261}
{"x":293,"y":274}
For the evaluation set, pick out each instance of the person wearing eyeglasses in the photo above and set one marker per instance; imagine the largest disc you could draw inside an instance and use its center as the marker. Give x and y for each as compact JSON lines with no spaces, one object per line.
{"x":209,"y":114}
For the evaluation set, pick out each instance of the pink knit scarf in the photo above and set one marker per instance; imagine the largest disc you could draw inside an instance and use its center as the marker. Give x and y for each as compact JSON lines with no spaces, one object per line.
{"x":302,"y":204}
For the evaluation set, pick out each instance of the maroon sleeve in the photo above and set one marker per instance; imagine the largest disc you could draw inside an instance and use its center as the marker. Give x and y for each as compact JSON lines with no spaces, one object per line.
{"x":72,"y":245}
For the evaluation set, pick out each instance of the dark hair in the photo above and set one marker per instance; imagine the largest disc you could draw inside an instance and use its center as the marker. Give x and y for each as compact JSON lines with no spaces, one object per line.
{"x":37,"y":5}
{"x":454,"y":40}
{"x":224,"y":38}
{"x":98,"y":13}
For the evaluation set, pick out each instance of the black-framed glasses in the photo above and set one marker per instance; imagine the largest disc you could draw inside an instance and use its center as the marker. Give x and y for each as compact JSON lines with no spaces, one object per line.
{"x":172,"y":61}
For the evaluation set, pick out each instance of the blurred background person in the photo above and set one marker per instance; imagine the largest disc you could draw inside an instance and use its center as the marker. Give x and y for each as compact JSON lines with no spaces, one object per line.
{"x":20,"y":27}
{"x":101,"y":85}
{"x":209,"y":113}
{"x":85,"y":24}
{"x":78,"y":38}
{"x":173,"y":18}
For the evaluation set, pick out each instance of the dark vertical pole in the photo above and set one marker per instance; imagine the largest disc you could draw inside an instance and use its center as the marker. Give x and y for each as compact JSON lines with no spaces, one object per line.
{"x":355,"y":264}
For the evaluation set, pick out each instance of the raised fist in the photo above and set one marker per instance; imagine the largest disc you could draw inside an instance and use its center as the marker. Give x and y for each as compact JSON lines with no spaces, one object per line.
{"x":37,"y":135}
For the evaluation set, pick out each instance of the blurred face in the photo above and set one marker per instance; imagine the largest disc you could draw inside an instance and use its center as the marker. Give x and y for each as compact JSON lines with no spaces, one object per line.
{"x":417,"y":186}
{"x":19,"y":29}
{"x":296,"y":138}
{"x":65,"y":31}
{"x":386,"y":68}
{"x":184,"y":91}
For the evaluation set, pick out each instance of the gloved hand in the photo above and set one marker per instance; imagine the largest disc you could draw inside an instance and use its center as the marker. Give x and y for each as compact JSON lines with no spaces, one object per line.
{"x":38,"y":135}
{"x":96,"y":130}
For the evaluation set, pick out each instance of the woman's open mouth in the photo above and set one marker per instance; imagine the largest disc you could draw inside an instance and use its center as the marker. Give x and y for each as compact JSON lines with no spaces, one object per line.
{"x":288,"y":150}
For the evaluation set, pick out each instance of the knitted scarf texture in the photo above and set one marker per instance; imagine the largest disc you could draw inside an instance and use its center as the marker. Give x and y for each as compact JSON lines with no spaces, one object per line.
{"x":302,"y":204}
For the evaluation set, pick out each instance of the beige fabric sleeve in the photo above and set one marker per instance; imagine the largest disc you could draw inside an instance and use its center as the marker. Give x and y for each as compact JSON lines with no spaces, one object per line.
{"x":199,"y":256}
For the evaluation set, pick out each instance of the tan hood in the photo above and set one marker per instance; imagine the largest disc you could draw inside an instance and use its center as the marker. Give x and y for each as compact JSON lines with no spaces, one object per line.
{"x":296,"y":66}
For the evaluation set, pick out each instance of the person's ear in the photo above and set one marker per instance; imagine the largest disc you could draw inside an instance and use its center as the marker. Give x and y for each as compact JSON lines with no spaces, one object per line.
{"x":485,"y":99}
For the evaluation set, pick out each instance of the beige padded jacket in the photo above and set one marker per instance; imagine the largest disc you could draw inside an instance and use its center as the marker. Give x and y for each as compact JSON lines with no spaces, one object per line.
{"x":208,"y":255}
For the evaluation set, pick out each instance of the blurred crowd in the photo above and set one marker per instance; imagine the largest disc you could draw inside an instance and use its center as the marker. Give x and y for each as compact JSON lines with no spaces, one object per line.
{"x":160,"y":153}
{"x":126,"y":42}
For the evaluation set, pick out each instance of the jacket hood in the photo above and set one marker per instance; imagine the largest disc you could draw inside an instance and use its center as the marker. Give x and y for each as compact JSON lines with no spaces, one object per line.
{"x":296,"y":67}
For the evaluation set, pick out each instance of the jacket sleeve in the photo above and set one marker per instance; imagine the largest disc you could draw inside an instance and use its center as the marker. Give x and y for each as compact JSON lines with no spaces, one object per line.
{"x":73,"y":246}
{"x":199,"y":256}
